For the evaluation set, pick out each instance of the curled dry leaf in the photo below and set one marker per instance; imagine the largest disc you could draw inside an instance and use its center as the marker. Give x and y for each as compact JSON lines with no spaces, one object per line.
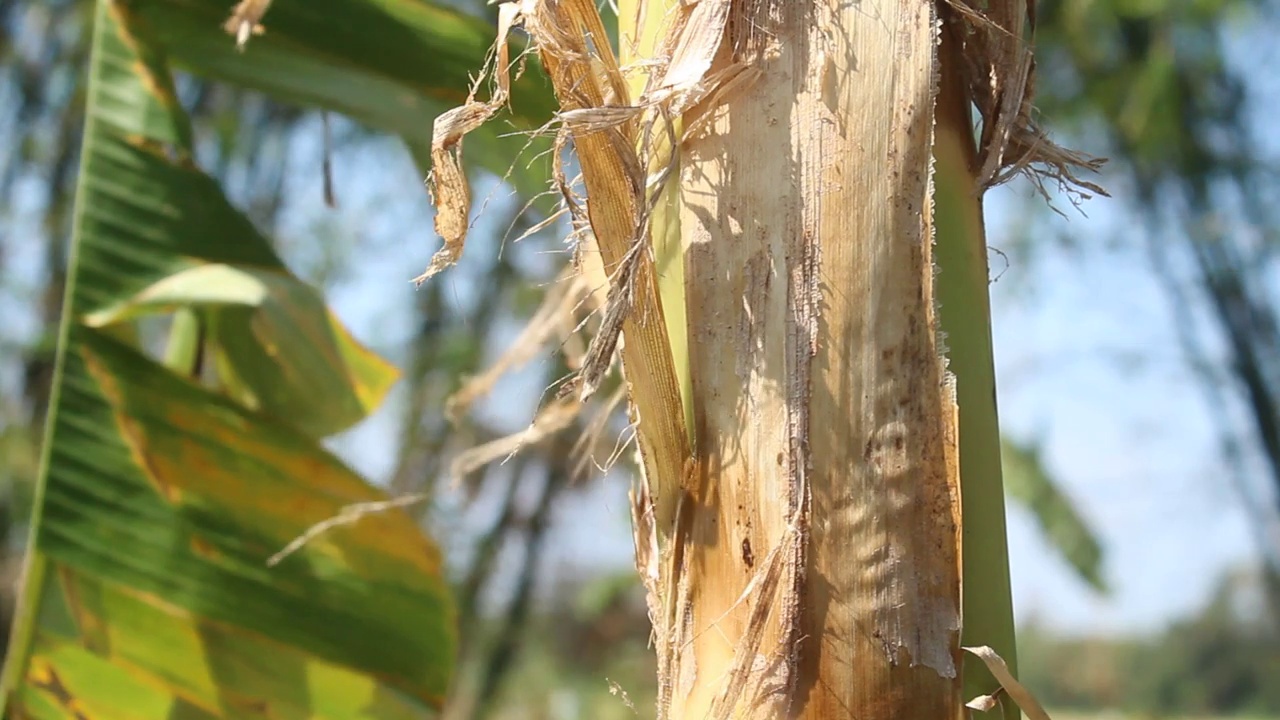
{"x":448,"y":181}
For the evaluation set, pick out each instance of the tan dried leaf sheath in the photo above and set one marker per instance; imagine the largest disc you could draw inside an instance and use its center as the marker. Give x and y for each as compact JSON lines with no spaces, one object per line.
{"x":799,"y":544}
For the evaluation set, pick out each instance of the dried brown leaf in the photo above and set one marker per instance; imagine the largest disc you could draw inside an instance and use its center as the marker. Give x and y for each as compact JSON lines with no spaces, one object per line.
{"x":447,"y":184}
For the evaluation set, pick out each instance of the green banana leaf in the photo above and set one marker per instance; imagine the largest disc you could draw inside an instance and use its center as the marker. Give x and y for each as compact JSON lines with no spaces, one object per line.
{"x":166,"y":486}
{"x":391,"y":64}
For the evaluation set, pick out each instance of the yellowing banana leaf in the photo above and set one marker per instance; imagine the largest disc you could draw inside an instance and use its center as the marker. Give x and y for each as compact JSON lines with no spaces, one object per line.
{"x":148,"y":590}
{"x":158,"y":554}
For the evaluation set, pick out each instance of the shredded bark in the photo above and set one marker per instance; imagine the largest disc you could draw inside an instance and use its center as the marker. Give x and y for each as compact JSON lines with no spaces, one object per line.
{"x":999,"y":69}
{"x":769,"y":594}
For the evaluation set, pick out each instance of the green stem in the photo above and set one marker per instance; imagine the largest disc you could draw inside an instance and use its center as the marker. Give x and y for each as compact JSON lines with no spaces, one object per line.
{"x":960,"y":255}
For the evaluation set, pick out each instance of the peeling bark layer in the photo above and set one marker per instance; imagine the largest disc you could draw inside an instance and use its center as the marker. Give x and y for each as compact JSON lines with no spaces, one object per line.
{"x":820,"y":560}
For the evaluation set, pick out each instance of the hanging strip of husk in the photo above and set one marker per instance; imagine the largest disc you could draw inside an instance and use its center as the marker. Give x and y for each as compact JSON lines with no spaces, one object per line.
{"x":450,"y":192}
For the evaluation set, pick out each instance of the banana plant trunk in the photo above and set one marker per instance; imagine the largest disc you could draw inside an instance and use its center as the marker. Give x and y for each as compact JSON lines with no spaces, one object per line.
{"x":814,"y":566}
{"x":782,"y":220}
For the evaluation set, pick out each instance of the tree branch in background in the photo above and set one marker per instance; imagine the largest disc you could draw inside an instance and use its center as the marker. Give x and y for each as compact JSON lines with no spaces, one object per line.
{"x":502,"y":655}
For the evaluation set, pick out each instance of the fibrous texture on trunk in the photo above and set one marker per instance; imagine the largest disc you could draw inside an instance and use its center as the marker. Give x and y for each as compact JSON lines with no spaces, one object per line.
{"x":824,"y":421}
{"x":759,"y":206}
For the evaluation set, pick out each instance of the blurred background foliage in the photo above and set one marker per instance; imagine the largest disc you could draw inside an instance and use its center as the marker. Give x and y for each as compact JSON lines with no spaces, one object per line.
{"x":1169,"y":90}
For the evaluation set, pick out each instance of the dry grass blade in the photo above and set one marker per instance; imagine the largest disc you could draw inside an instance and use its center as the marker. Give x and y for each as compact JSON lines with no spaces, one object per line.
{"x":550,"y":420}
{"x":553,"y":319}
{"x":593,"y":436}
{"x":349,"y":515}
{"x":1012,"y":687}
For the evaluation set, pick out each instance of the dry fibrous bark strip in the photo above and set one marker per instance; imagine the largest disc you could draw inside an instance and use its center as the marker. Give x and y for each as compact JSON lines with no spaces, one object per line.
{"x":574,"y":49}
